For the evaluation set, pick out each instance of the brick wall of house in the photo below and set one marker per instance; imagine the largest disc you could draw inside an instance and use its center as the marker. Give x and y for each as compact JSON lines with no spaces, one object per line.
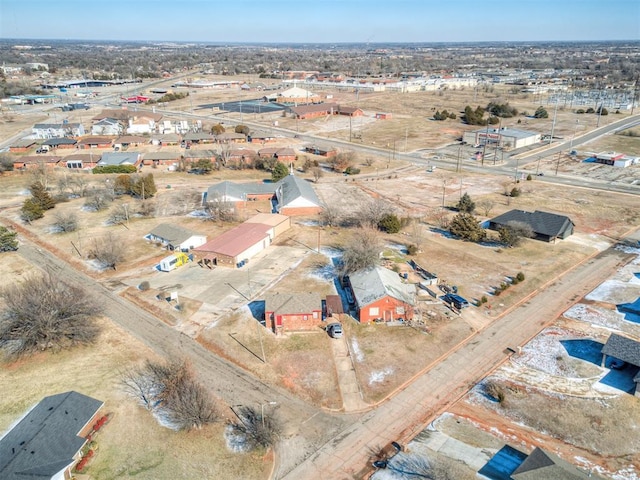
{"x":293,"y":322}
{"x":300,"y":211}
{"x":387,"y":310}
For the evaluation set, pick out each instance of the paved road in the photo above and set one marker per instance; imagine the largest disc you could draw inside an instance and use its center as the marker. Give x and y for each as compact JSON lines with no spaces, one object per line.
{"x":306,"y":427}
{"x":404,"y":415}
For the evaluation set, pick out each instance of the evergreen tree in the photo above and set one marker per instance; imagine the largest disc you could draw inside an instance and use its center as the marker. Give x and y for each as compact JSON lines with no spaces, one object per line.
{"x":8,"y":242}
{"x":467,"y":227}
{"x":465,"y":204}
{"x":389,"y":223}
{"x":41,"y":197}
{"x":279,"y":171}
{"x":144,"y":186}
{"x":541,"y":113}
{"x":31,"y":210}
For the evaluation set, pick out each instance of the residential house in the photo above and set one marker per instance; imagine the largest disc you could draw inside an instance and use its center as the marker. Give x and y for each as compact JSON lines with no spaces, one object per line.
{"x":126,"y":141}
{"x":380,"y":294}
{"x":143,"y":122}
{"x":295,"y":196}
{"x":165,"y":158}
{"x":107,"y":126}
{"x":327,"y":152}
{"x":545,"y":226}
{"x":95,"y":142}
{"x":81,"y":160}
{"x":384,"y":116}
{"x":60,"y":142}
{"x":625,"y":349}
{"x":261,"y":137}
{"x":47,"y":442}
{"x":241,"y":156}
{"x":235,"y":247}
{"x":287,"y":312}
{"x":34,"y":161}
{"x":290,"y":196}
{"x":53,"y":130}
{"x":120,"y":158}
{"x":284,"y":155}
{"x":165,"y":139}
{"x":22,"y":145}
{"x":198,"y":137}
{"x":230,"y":137}
{"x":542,"y":465}
{"x":174,"y":237}
{"x":192,"y":156}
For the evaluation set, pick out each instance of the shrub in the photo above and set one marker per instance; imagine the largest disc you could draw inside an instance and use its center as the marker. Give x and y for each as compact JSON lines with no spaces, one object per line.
{"x":352,"y":170}
{"x":529,"y":177}
{"x":580,"y":111}
{"x":520,"y":276}
{"x":515,"y":192}
{"x":115,"y":169}
{"x":495,"y":391}
{"x":144,"y":286}
{"x":484,"y":299}
{"x":412,"y":249}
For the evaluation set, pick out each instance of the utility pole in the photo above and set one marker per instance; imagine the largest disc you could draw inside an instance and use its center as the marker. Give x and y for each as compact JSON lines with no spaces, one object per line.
{"x":553,"y":124}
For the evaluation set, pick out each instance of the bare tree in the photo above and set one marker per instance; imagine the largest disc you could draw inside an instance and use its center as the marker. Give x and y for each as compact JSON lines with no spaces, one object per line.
{"x":44,"y":313}
{"x":99,"y":199}
{"x":259,"y":428}
{"x":220,"y":209}
{"x":171,"y":391}
{"x":330,"y":216}
{"x":66,"y":222}
{"x":486,"y":206}
{"x":371,"y":212}
{"x":107,"y":251}
{"x":514,"y":231}
{"x":317,"y":173}
{"x":119,"y":214}
{"x":361,"y":251}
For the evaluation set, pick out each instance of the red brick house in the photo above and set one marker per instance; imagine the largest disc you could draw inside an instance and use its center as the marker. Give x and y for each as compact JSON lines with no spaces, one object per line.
{"x":81,"y":160}
{"x":95,"y":142}
{"x":282,"y":154}
{"x":304,"y":112}
{"x":384,"y":116}
{"x":286,"y":312}
{"x":380,"y":294}
{"x":21,"y":146}
{"x":33,"y":161}
{"x":350,"y":111}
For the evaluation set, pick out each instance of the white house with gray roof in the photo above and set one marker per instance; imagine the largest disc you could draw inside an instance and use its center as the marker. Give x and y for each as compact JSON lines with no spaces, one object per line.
{"x":174,"y":237}
{"x":55,"y":130}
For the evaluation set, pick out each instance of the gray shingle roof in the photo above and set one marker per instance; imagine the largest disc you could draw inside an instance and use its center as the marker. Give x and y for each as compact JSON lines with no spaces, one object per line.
{"x":541,"y":465}
{"x":239,"y":190}
{"x":290,"y":303}
{"x":119,"y":158}
{"x":373,"y":283}
{"x":44,"y":442}
{"x":543,"y":223}
{"x":173,"y":234}
{"x":623,"y":348}
{"x":291,"y":188}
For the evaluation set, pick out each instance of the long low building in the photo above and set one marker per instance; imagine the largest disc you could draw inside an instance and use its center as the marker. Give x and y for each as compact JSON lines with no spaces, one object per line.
{"x":235,"y":247}
{"x":504,"y":137}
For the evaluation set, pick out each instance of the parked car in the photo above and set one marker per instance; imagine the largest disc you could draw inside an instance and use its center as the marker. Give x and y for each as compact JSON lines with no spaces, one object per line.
{"x":334,"y":330}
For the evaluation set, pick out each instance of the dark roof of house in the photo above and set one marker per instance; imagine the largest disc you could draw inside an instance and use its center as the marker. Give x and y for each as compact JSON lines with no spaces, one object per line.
{"x":292,"y":303}
{"x":334,"y":304}
{"x":371,"y":284}
{"x":291,"y":188}
{"x":60,"y":141}
{"x":541,"y":465}
{"x":44,"y":442}
{"x":543,"y":223}
{"x":173,"y":234}
{"x":623,"y":348}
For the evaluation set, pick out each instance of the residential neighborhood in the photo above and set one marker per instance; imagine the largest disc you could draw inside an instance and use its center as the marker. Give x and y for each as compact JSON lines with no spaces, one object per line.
{"x":298,"y":261}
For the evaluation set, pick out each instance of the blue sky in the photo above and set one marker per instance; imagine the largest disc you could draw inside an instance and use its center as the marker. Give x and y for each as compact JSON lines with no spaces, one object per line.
{"x":326,"y":21}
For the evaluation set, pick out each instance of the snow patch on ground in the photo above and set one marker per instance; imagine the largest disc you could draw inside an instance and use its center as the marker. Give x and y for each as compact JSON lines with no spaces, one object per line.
{"x":605,"y":291}
{"x":324,"y":273}
{"x":309,"y":223}
{"x":357,"y":353}
{"x":236,"y":442}
{"x":595,"y":315}
{"x":379,"y":376}
{"x":543,"y":352}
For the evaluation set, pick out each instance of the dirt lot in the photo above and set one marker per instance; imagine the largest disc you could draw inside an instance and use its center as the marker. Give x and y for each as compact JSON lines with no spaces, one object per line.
{"x":132,"y":444}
